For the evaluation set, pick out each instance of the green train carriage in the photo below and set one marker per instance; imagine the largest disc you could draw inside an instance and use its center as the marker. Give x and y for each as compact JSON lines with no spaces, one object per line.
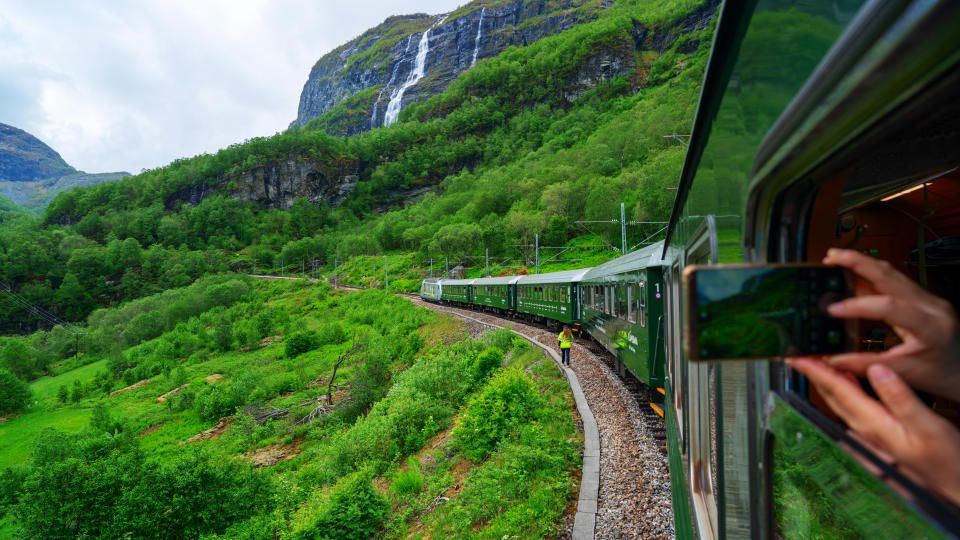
{"x":457,"y":290}
{"x":622,"y":308}
{"x":551,"y":298}
{"x":498,"y":293}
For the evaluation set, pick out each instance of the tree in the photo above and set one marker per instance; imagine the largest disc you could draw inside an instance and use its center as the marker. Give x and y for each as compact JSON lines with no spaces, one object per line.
{"x":223,"y":334}
{"x":14,"y":393}
{"x":74,"y":300}
{"x":20,"y":359}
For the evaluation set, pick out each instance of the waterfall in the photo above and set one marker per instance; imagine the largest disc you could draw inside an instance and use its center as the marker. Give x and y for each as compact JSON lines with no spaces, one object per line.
{"x":393,"y":76}
{"x":476,"y":42}
{"x":393,"y":108}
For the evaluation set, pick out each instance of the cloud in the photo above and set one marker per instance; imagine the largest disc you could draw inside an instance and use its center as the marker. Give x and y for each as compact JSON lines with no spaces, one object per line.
{"x":119,"y":85}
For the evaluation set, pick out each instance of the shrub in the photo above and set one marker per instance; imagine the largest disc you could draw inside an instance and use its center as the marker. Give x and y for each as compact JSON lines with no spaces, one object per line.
{"x":299,"y":343}
{"x":354,"y":510}
{"x":509,"y":399}
{"x":488,"y":361}
{"x":409,"y":481}
{"x":502,"y":339}
{"x":331,"y":334}
{"x":14,"y":393}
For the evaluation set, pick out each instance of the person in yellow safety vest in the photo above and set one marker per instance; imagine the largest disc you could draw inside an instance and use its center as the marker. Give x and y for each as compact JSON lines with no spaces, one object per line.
{"x":565,"y":339}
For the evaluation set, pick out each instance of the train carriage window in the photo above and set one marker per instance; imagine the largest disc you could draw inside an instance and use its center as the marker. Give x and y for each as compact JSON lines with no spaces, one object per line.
{"x":642,"y":304}
{"x":632,"y":305}
{"x":622,"y":301}
{"x":614,"y":301}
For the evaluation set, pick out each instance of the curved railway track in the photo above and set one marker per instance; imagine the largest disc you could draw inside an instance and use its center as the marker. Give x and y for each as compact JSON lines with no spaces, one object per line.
{"x":634,"y":499}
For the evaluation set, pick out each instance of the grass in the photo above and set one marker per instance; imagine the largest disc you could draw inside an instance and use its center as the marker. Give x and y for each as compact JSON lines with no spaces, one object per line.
{"x":17,"y":435}
{"x":45,"y":388}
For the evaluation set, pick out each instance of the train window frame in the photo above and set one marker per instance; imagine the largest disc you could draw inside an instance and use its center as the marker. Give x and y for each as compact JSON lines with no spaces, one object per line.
{"x":703,"y":469}
{"x":631,"y":305}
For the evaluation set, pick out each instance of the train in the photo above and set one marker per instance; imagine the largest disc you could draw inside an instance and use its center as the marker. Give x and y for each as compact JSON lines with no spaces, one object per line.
{"x":820,"y":124}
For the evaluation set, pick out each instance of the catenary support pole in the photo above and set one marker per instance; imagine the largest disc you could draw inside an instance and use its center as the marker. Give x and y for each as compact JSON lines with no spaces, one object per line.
{"x":623,"y":230}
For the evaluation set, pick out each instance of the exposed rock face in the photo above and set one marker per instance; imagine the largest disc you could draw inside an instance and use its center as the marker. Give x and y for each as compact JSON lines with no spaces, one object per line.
{"x":32,"y":173}
{"x":453,"y":47}
{"x":278,"y":184}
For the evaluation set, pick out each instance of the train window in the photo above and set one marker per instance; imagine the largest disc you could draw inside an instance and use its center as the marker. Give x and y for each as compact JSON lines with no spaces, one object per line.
{"x":642,"y":304}
{"x":622,"y":301}
{"x":631,"y":305}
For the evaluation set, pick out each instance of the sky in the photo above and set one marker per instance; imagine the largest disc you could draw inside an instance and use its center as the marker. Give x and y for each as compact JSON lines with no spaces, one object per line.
{"x":126,"y":85}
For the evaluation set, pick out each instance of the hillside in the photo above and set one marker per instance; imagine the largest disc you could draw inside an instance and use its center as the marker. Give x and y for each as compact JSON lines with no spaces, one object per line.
{"x":32,"y":173}
{"x":285,"y":409}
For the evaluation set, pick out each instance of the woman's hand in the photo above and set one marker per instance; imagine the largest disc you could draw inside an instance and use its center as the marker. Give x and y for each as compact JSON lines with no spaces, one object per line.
{"x":929,"y":357}
{"x":922,"y":444}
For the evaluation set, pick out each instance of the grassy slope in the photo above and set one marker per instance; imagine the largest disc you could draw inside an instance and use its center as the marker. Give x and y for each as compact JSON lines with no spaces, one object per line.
{"x":283,"y":382}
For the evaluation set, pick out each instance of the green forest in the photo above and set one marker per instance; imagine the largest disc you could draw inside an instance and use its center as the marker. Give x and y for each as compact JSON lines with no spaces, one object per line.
{"x":150,"y":386}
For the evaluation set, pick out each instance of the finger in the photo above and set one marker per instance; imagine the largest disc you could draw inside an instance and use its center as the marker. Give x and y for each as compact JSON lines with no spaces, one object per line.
{"x":880,"y":273}
{"x":879,"y":308}
{"x":899,"y":399}
{"x":862,"y":413}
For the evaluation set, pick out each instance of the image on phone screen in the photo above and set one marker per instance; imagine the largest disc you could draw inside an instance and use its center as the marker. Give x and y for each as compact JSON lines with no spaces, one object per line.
{"x":765,"y":311}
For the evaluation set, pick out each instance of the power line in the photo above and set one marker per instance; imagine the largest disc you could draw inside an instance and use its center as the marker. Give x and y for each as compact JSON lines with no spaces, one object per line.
{"x":37,"y":311}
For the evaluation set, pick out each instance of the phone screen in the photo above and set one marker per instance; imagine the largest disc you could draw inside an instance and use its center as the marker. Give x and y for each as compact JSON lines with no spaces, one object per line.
{"x":765,"y":311}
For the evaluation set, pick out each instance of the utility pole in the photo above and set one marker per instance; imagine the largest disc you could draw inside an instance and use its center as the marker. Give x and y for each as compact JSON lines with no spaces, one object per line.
{"x":486,"y":264}
{"x":446,"y":267}
{"x":536,"y":253}
{"x":431,"y":267}
{"x":623,"y":230}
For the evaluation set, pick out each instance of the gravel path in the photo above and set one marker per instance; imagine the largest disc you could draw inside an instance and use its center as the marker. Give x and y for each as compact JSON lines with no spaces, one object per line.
{"x":634,"y":499}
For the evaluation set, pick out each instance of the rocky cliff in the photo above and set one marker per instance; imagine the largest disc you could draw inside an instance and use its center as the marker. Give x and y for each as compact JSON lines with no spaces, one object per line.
{"x":412,"y":57}
{"x":32,"y":173}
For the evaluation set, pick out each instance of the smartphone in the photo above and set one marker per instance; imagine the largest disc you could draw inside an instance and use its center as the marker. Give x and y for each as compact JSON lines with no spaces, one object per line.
{"x":750,"y":311}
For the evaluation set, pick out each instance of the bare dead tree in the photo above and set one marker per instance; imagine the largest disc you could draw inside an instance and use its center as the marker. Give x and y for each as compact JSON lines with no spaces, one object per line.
{"x":354,"y":348}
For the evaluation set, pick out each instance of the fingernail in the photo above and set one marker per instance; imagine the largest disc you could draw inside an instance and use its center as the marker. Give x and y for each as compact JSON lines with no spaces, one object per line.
{"x":836,"y":309}
{"x":879,"y":374}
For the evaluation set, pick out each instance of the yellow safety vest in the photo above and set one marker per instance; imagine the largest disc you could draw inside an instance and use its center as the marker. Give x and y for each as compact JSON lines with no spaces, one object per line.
{"x":565,"y":341}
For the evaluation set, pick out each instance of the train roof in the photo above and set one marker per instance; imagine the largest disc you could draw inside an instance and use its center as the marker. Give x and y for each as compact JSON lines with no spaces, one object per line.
{"x":642,"y":258}
{"x":457,"y":281}
{"x":431,"y":280}
{"x":502,"y":280}
{"x":566,"y":276}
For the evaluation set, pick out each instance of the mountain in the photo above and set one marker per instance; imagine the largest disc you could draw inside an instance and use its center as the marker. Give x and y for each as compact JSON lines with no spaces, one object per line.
{"x":543,"y":99}
{"x":412,"y":57}
{"x":32,"y":173}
